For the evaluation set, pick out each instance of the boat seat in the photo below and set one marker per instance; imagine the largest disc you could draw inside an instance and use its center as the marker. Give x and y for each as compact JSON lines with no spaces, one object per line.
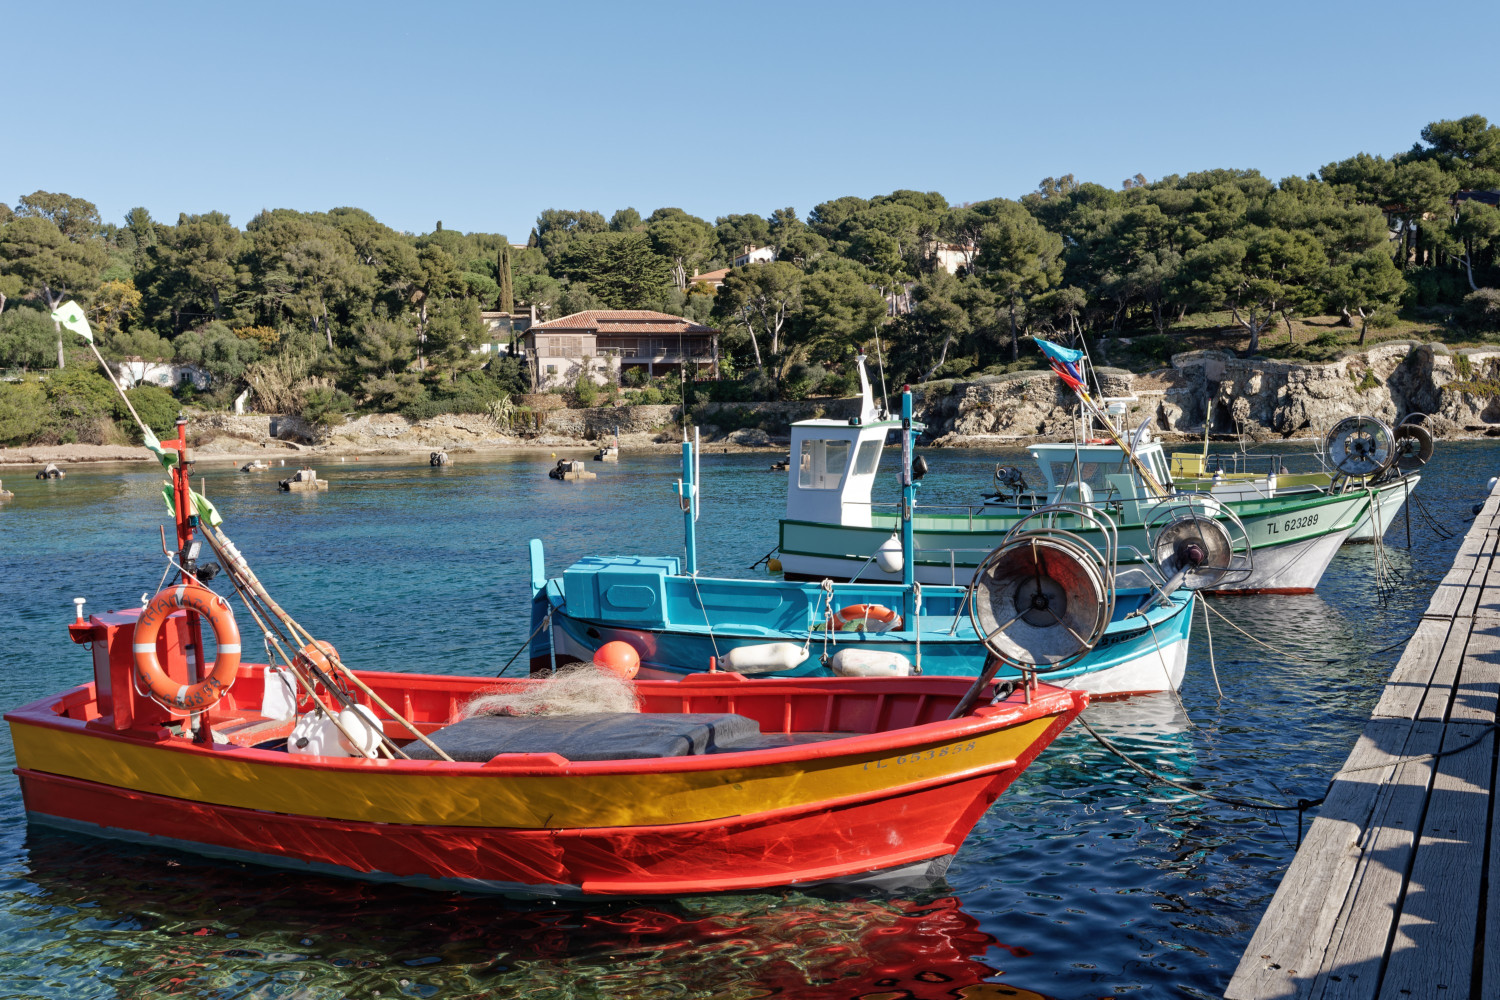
{"x":599,"y":736}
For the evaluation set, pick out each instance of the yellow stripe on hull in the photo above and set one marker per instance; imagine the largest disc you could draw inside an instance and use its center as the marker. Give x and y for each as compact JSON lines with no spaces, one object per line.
{"x":378,"y":791}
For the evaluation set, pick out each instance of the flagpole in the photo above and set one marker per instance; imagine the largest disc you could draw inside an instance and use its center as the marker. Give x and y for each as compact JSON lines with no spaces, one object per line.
{"x":111,"y":376}
{"x":87,"y":334}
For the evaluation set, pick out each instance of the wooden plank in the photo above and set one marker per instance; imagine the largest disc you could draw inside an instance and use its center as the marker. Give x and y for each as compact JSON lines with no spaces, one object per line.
{"x":1445,"y":598}
{"x":1489,"y":984}
{"x":1488,"y":605}
{"x":1357,"y":948}
{"x":1477,"y":692}
{"x":1287,"y":949}
{"x":1432,"y":953}
{"x":1439,"y":694}
{"x":1468,"y":600}
{"x":1403,"y":694}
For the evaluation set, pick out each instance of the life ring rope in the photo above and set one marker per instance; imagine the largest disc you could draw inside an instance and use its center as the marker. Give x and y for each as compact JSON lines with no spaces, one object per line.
{"x":148,"y":669}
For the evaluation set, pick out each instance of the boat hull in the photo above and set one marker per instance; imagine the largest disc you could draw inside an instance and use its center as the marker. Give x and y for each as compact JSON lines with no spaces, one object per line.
{"x":1389,"y":496}
{"x":1387,"y":506}
{"x":1135,"y":657}
{"x":949,"y":549}
{"x":538,"y":824}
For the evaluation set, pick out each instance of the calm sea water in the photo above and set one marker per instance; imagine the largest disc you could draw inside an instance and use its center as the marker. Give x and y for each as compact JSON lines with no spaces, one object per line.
{"x":1082,"y":881}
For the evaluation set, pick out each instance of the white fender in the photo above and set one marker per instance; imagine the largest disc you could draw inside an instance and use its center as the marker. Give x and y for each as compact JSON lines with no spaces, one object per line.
{"x":764,"y":657}
{"x":889,"y":556}
{"x":323,"y":738}
{"x":870,"y":663}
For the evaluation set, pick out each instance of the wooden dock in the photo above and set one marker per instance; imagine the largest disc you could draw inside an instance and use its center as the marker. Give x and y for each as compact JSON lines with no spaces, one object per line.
{"x":1395,"y":892}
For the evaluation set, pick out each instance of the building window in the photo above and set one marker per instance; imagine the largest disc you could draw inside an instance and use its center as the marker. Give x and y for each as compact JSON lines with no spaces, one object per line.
{"x":551,"y":369}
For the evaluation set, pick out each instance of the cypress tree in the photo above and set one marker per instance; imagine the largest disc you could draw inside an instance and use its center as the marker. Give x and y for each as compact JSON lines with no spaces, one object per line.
{"x":507,"y":290}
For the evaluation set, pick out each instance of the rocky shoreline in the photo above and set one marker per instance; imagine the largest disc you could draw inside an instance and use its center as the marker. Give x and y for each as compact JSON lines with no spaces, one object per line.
{"x":1256,"y":399}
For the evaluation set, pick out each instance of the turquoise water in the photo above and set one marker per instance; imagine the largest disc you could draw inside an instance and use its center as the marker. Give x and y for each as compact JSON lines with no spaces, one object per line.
{"x":1080,"y":882}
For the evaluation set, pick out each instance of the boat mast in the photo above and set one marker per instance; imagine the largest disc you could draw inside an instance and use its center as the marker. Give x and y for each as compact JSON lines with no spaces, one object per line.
{"x":908,"y":501}
{"x":687,"y":498}
{"x":186,"y":516}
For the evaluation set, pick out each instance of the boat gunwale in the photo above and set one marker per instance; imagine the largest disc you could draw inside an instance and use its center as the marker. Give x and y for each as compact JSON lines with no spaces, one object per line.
{"x":1046,"y":701}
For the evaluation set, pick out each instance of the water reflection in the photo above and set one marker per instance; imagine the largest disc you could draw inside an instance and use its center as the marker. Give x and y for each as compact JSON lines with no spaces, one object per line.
{"x":114,"y":920}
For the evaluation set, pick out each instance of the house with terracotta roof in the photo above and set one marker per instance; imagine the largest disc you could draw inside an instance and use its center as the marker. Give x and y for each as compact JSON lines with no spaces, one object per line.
{"x":714,"y":279}
{"x":608,"y":341}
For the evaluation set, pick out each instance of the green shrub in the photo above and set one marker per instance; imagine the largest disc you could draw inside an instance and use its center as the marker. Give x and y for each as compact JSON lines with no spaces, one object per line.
{"x":841,"y":384}
{"x":390,"y":393}
{"x":802,"y":380}
{"x":80,"y":392}
{"x":28,"y":339}
{"x":157,"y":407}
{"x":585,"y":390}
{"x":325,"y":406}
{"x":509,"y":375}
{"x":1481,"y":310}
{"x":24,"y":412}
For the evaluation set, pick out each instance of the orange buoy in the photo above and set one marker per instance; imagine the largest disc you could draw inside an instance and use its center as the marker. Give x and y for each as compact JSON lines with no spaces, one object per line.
{"x":148,"y":669}
{"x":878,"y":615}
{"x":618,"y":658}
{"x":317,"y":654}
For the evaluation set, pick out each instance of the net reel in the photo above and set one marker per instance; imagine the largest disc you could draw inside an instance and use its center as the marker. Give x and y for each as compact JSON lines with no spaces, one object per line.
{"x":1042,"y":599}
{"x":1361,"y":447}
{"x":1413,"y":446}
{"x":1193,"y":551}
{"x":1198,"y":543}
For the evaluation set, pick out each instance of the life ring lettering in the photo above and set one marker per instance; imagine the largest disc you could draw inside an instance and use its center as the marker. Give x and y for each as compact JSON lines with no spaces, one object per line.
{"x":148,"y":669}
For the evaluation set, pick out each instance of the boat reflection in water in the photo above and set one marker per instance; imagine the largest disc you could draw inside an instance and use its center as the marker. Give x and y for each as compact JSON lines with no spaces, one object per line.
{"x":152,"y":922}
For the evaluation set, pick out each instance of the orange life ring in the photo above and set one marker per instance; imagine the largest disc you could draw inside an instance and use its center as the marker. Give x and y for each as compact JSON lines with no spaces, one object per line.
{"x":882,"y":616}
{"x":148,"y":670}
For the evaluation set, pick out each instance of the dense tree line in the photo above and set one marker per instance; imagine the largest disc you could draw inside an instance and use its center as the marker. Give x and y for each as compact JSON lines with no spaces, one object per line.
{"x":322,"y":312}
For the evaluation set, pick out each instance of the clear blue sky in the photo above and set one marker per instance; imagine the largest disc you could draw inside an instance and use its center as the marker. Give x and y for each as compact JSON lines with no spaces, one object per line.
{"x":482,"y":114}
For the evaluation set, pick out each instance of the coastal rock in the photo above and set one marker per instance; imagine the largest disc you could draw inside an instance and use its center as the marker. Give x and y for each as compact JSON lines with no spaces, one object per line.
{"x":1254,"y":397}
{"x":751,"y":437}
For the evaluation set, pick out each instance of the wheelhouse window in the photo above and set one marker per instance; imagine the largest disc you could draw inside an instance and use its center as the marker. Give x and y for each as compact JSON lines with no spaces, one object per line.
{"x":822,"y":463}
{"x":867,"y":458}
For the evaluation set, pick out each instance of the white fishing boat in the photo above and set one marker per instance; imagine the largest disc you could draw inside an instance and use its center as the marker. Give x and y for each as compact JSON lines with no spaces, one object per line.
{"x":1385,"y":461}
{"x":833,"y":530}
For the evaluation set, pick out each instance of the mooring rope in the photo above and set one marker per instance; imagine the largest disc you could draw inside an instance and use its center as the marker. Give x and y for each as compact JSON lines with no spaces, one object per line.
{"x":546,"y":620}
{"x":1267,"y":645}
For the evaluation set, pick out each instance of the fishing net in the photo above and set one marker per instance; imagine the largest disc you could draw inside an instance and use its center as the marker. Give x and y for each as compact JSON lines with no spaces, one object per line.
{"x":576,"y":689}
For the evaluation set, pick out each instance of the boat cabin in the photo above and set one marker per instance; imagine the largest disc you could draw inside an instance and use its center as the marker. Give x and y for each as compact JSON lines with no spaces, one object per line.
{"x":834,"y":462}
{"x":1097,"y":472}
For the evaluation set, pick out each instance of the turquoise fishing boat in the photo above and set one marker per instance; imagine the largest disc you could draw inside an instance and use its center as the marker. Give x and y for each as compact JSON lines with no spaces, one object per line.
{"x":1114,"y":640}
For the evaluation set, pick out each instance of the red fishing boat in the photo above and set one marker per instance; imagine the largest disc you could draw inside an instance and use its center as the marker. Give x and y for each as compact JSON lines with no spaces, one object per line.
{"x":714,"y":783}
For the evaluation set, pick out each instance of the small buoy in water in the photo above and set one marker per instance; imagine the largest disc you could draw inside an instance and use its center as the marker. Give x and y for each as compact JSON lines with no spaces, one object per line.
{"x":553,"y":455}
{"x":618,"y":658}
{"x":773,"y":565}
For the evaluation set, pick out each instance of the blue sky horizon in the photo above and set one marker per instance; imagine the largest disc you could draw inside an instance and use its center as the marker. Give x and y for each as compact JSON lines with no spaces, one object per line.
{"x":482,"y":115}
